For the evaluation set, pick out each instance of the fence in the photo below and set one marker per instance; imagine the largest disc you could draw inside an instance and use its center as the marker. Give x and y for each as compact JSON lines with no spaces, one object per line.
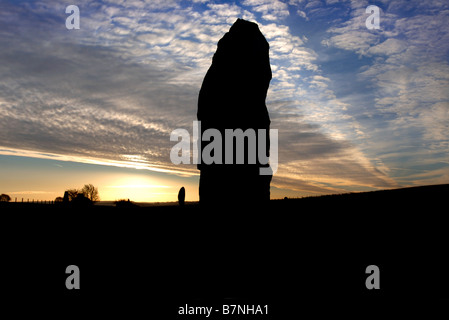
{"x":35,"y":201}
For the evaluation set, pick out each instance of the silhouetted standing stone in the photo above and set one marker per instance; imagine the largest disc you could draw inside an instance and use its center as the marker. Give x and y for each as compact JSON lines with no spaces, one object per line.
{"x":233,"y":96}
{"x":181,"y":196}
{"x":65,"y":200}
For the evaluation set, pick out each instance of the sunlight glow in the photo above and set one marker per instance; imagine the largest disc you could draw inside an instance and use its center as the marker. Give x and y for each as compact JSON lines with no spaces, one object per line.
{"x":140,"y":189}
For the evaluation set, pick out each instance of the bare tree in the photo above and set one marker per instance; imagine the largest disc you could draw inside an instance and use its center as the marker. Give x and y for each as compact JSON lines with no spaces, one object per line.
{"x":71,"y":194}
{"x":90,"y":192}
{"x":4,"y":198}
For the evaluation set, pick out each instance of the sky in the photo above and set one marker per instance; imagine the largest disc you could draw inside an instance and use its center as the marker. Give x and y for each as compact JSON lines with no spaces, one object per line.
{"x":357,"y":109}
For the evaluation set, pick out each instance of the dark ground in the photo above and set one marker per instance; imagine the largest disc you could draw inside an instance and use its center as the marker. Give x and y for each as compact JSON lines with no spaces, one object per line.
{"x":298,"y":256}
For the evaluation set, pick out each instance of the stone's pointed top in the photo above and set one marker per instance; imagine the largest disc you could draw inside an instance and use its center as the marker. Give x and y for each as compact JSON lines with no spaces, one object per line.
{"x":246,"y":29}
{"x":234,"y":89}
{"x":244,"y":24}
{"x":243,"y":47}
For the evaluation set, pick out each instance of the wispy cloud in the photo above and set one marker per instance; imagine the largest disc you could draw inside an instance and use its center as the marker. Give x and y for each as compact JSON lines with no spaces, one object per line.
{"x":30,"y":192}
{"x":113,"y":91}
{"x":408,"y":73}
{"x":139,"y":186}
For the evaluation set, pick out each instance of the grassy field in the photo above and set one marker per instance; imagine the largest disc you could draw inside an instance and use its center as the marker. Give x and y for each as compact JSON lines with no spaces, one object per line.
{"x":295,"y":254}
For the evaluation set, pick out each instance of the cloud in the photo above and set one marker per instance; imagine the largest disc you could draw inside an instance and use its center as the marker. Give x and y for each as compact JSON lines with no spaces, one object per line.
{"x":271,"y":10}
{"x":407,"y":72}
{"x":388,"y":47}
{"x":302,"y":14}
{"x":113,"y":91}
{"x":32,"y":192}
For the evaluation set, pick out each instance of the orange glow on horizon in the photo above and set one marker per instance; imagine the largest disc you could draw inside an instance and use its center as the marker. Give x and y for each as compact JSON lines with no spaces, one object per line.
{"x":139,"y":189}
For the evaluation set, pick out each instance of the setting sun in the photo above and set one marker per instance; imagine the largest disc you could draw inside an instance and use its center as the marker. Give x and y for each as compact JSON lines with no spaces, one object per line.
{"x":140,"y":189}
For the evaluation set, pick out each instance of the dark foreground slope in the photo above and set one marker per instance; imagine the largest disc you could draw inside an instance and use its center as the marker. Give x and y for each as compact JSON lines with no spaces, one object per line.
{"x":295,"y":256}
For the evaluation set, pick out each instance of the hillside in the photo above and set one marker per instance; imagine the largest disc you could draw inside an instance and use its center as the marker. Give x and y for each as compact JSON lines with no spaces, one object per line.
{"x":298,"y":253}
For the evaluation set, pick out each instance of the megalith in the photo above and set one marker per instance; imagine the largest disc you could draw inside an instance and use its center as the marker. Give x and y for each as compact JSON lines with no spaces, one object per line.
{"x":181,"y":196}
{"x":232,"y":96}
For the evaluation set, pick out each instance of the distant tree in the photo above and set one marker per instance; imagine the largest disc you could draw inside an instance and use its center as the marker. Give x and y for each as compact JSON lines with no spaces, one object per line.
{"x":123,"y":203}
{"x":81,"y":200}
{"x":4,"y":198}
{"x":90,"y":192}
{"x":71,"y":194}
{"x":59,"y":199}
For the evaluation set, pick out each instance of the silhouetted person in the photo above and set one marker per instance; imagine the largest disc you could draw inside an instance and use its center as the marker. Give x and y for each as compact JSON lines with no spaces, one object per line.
{"x":181,"y":196}
{"x":232,"y":96}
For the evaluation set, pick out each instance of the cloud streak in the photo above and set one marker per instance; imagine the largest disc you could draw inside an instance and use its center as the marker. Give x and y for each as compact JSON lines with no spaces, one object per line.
{"x":113,"y":91}
{"x":408,"y":74}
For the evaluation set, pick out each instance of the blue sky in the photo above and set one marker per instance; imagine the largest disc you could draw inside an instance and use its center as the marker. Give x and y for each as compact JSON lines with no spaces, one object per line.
{"x":356,"y":109}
